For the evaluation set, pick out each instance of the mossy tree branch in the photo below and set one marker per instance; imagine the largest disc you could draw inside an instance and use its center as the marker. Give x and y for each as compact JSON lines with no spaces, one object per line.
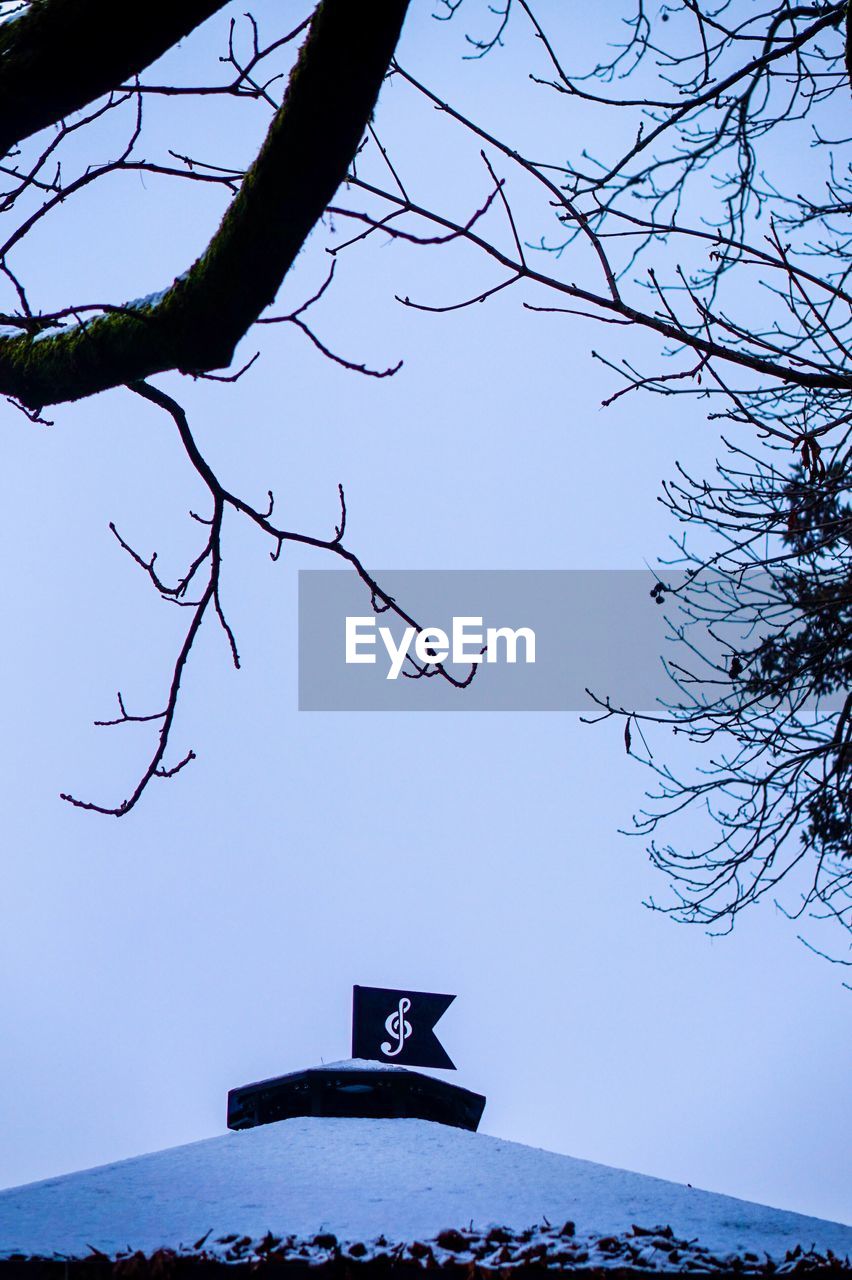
{"x":196,"y":324}
{"x":60,"y":55}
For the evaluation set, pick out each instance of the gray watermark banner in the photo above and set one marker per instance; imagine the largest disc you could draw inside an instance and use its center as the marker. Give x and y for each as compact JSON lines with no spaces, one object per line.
{"x":548,"y":636}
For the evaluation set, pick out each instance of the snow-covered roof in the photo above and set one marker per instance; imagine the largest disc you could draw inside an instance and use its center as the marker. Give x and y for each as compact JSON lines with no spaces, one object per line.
{"x":359,"y":1179}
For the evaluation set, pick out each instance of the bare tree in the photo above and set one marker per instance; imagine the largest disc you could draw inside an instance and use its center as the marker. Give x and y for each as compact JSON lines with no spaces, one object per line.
{"x":59,"y":58}
{"x":195,"y":323}
{"x":678,"y":214}
{"x":675,"y":214}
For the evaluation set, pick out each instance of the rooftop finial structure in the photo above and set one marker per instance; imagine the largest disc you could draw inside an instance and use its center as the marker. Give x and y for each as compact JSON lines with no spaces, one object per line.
{"x":391,"y":1030}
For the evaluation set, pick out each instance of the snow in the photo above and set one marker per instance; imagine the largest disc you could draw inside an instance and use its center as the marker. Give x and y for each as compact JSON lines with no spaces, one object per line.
{"x":8,"y":16}
{"x":137,"y":304}
{"x":357,"y":1064}
{"x":154,"y":299}
{"x":376,"y":1182}
{"x":150,"y":299}
{"x":53,"y":331}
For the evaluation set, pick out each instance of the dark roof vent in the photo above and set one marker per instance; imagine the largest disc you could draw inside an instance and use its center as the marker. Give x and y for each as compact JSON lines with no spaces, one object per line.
{"x":354,"y":1088}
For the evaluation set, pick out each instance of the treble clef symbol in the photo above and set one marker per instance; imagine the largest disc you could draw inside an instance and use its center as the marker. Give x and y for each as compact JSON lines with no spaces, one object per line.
{"x":396,"y":1026}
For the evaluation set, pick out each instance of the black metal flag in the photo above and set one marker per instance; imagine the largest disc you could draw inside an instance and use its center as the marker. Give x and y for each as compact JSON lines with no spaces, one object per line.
{"x":398,"y":1026}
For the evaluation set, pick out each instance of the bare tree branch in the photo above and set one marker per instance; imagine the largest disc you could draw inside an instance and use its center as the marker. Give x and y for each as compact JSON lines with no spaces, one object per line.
{"x":59,"y":55}
{"x":196,"y":324}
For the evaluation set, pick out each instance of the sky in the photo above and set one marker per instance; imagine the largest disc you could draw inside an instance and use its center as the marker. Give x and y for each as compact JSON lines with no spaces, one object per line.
{"x":212,"y":938}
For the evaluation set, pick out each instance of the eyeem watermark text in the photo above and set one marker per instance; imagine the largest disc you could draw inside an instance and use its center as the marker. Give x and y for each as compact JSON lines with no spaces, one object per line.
{"x":570,"y":630}
{"x":467,"y":642}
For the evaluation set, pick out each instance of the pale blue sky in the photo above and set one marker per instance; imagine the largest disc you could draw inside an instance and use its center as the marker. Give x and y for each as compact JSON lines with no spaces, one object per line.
{"x":212,"y":938}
